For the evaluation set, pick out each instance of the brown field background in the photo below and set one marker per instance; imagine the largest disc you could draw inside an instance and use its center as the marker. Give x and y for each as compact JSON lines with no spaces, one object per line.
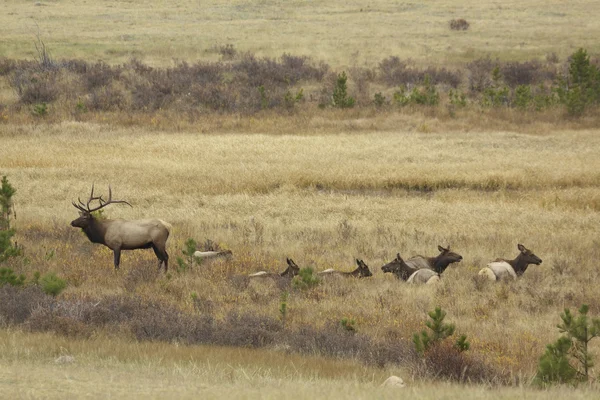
{"x":321,"y":187}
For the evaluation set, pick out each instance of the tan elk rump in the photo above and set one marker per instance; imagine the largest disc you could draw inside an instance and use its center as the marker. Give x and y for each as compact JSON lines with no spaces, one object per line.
{"x":120,"y":234}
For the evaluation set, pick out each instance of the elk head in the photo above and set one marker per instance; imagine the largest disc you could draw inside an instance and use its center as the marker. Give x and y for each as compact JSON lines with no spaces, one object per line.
{"x":445,"y":258}
{"x":394,"y":266}
{"x":365,"y":272}
{"x":292,"y":270}
{"x":527,"y":255}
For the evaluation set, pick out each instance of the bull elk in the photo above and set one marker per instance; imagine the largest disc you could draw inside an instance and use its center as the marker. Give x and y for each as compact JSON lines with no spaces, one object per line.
{"x":362,"y":271}
{"x":510,"y":269}
{"x":119,"y":234}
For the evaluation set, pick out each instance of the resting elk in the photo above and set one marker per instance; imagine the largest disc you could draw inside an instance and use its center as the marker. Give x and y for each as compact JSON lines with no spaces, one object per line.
{"x":362,"y":271}
{"x":291,"y":271}
{"x":510,"y":269}
{"x":420,"y":269}
{"x":119,"y":234}
{"x":213,"y":255}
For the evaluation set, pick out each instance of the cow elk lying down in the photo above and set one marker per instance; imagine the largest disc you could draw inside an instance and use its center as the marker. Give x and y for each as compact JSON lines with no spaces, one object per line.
{"x":404,"y":270}
{"x":362,"y":271}
{"x":502,"y":269}
{"x":291,"y":271}
{"x":119,"y":234}
{"x":213,"y":255}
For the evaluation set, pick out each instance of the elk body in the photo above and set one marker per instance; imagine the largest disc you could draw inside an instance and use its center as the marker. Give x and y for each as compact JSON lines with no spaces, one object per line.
{"x":119,"y":234}
{"x":362,"y":271}
{"x":424,"y":276}
{"x":291,"y":271}
{"x":213,"y":255}
{"x":510,"y":269}
{"x":411,"y":268}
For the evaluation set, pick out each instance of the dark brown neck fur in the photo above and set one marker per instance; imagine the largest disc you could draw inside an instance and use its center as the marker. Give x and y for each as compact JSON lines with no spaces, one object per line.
{"x":95,"y":231}
{"x":519,"y":264}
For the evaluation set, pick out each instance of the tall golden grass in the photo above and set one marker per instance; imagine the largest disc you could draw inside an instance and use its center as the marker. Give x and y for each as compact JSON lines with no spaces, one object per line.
{"x":322,"y":200}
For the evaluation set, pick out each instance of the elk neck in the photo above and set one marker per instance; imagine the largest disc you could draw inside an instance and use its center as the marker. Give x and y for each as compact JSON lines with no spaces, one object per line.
{"x":519,"y":264}
{"x":439,"y":263}
{"x":96,"y":231}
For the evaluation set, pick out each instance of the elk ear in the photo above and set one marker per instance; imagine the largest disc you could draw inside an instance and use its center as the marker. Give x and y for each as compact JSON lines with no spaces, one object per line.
{"x":521,"y":248}
{"x":287,"y":260}
{"x":441,"y":249}
{"x":358,"y":262}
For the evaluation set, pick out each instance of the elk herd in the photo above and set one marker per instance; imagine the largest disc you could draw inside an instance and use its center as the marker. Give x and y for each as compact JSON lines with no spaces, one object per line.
{"x":119,"y":234}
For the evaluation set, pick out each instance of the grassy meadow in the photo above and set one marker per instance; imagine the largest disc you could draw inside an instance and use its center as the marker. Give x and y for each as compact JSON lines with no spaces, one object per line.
{"x":320,"y":186}
{"x":343,"y":33}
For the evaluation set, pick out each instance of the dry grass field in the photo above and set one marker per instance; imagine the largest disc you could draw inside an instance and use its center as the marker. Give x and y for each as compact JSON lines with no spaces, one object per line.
{"x":341,"y":32}
{"x":35,"y":366}
{"x":324,"y":200}
{"x":322,"y":187}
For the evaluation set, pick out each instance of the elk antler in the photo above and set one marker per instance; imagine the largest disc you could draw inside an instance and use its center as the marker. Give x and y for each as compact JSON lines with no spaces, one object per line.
{"x":103,"y":203}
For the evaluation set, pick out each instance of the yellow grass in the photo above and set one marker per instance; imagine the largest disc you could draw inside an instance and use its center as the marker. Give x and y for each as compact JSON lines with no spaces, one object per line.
{"x":324,"y":199}
{"x":111,"y":367}
{"x":342,"y":33}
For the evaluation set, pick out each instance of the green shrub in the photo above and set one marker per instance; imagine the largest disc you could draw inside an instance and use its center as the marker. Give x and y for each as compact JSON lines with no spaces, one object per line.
{"x":264,"y":100}
{"x":7,"y":249}
{"x":439,"y":331}
{"x":8,"y":277}
{"x":581,"y":87}
{"x":305,"y":279}
{"x":188,"y":251}
{"x":340,"y":96}
{"x":543,"y":98}
{"x":568,"y":360}
{"x":40,"y":109}
{"x":457,"y":98}
{"x":52,"y":284}
{"x":348,"y":324}
{"x":554,"y":366}
{"x":379,"y":100}
{"x":290,"y":100}
{"x":523,"y":97}
{"x":425,"y":95}
{"x":496,"y":95}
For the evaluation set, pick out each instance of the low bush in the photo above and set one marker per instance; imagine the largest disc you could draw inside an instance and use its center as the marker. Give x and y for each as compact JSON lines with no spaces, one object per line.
{"x":459,"y":24}
{"x":17,"y":304}
{"x":52,"y":284}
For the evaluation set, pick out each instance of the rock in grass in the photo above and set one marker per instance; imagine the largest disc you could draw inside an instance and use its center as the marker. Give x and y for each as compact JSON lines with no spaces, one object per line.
{"x":393,"y":381}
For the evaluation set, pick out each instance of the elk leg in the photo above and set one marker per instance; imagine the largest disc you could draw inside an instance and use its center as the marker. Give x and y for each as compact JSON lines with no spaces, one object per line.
{"x":162,"y":256}
{"x":117,"y":252}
